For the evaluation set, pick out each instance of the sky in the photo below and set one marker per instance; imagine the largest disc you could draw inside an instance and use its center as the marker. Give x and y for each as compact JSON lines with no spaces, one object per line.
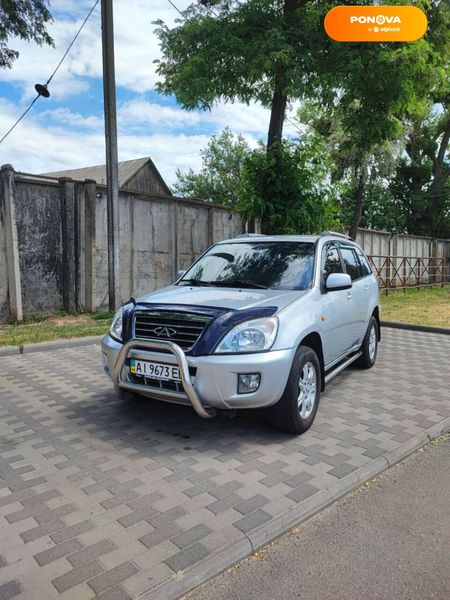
{"x":66,"y":130}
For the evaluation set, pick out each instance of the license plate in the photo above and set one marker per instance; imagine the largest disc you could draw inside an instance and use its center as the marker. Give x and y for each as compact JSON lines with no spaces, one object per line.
{"x":154,"y":370}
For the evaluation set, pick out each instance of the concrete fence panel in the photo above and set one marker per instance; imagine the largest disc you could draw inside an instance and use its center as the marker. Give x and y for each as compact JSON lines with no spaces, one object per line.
{"x":53,"y":242}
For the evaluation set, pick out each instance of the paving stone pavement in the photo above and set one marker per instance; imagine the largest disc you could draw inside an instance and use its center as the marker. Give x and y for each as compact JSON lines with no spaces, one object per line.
{"x":104,"y":499}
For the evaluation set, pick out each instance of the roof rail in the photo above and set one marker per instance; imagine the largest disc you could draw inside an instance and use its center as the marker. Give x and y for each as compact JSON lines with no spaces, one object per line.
{"x":336,"y":234}
{"x":250,"y":235}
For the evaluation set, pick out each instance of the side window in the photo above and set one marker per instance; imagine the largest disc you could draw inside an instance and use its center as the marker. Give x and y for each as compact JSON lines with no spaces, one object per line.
{"x":332,"y":262}
{"x":365,"y":267}
{"x":351,"y":262}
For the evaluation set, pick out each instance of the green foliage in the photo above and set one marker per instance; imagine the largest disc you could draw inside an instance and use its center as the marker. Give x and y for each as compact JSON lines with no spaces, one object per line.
{"x":25,"y":19}
{"x":287,"y":188}
{"x":383,"y":210}
{"x":219,"y":179}
{"x":365,"y":95}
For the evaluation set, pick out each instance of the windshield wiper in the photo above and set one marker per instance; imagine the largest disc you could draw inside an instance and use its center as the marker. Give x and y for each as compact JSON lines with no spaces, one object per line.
{"x":240,"y":283}
{"x":198,"y":282}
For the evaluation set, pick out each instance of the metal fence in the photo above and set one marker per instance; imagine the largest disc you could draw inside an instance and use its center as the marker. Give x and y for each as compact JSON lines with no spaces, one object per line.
{"x":403,"y":272}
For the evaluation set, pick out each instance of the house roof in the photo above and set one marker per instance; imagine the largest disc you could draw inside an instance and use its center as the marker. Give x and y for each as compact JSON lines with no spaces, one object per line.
{"x":127,"y":170}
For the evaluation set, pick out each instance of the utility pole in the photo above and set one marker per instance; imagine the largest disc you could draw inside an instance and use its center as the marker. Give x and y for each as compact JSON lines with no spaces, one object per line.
{"x":109,"y":96}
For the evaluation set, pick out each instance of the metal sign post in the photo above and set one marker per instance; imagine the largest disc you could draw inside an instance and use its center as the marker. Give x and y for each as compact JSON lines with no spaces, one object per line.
{"x":109,"y":95}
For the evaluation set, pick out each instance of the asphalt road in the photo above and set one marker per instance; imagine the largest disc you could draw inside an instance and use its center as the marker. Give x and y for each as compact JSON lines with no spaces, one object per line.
{"x":389,"y":539}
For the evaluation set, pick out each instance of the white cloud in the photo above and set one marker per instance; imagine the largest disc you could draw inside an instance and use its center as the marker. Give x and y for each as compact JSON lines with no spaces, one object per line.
{"x":39,"y":148}
{"x":63,"y":138}
{"x":67,"y":117}
{"x":136,"y":47}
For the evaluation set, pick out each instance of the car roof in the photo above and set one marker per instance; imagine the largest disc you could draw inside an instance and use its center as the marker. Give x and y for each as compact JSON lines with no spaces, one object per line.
{"x":254,"y":237}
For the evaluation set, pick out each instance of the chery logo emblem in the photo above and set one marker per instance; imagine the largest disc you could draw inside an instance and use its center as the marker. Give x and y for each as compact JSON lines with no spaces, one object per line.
{"x":165,"y":331}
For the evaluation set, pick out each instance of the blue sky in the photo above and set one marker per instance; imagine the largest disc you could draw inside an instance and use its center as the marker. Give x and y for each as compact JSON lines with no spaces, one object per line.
{"x":66,"y":130}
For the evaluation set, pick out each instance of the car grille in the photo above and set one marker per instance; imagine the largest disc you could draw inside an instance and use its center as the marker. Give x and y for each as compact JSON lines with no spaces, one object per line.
{"x":183,"y":329}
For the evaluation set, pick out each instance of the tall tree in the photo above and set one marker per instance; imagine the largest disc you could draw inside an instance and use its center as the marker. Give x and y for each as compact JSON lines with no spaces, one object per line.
{"x":24,"y":19}
{"x":256,"y":50}
{"x":219,"y":179}
{"x":422,"y":177}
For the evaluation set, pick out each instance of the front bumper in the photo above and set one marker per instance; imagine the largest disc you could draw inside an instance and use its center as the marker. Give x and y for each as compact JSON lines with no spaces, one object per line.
{"x":214,"y":385}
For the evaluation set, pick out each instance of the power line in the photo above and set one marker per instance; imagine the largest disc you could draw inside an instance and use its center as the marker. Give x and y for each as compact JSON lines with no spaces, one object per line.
{"x":43,"y":88}
{"x":73,"y":41}
{"x":19,"y":119}
{"x":176,"y":8}
{"x":203,"y":3}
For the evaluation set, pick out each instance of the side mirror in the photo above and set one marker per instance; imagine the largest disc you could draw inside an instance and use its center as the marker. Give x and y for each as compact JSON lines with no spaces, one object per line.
{"x":180,"y":274}
{"x":338,"y":281}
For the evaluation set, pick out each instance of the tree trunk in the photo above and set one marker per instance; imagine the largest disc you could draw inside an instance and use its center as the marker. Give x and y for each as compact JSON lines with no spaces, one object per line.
{"x":279,"y":98}
{"x":277,"y":112}
{"x":441,"y":172}
{"x":358,"y":198}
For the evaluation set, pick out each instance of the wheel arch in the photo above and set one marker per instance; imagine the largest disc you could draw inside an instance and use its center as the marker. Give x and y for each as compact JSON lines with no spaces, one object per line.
{"x":314,"y":341}
{"x":376,"y":314}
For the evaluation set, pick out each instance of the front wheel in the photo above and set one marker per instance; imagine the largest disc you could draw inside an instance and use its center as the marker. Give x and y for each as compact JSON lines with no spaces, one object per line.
{"x":297,"y":407}
{"x":369,"y":347}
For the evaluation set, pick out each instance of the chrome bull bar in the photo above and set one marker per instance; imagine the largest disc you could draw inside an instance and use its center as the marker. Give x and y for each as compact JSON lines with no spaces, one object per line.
{"x":205,"y":413}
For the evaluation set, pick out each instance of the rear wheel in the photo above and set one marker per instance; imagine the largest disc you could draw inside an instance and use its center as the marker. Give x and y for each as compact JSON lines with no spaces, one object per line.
{"x":369,"y":347}
{"x":296,"y":410}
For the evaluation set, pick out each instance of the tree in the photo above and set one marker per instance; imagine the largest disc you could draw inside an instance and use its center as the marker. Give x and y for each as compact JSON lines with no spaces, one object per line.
{"x":288,"y":188}
{"x":25,"y":19}
{"x":422,"y":178}
{"x":236,"y":51}
{"x":219,"y":179}
{"x":274,"y":51}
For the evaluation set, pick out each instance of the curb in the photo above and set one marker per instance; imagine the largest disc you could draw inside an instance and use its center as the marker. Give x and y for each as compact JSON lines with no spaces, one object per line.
{"x":46,"y":346}
{"x":176,"y":587}
{"x":414,"y":327}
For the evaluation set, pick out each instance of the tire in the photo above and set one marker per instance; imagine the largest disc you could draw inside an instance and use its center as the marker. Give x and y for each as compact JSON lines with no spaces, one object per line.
{"x":369,"y":347}
{"x":288,"y":414}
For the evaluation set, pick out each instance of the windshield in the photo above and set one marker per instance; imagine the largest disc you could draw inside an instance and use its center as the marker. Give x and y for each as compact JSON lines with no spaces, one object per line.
{"x":270,"y":265}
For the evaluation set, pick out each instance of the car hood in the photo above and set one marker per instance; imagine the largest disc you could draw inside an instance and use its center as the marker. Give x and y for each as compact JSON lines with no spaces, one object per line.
{"x":234,"y":299}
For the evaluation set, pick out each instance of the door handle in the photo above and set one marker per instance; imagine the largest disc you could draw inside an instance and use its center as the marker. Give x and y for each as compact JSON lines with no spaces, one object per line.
{"x":349,"y":295}
{"x":366,"y":287}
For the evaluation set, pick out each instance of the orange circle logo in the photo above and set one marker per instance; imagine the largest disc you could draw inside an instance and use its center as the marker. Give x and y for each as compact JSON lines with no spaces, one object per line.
{"x":375,"y":23}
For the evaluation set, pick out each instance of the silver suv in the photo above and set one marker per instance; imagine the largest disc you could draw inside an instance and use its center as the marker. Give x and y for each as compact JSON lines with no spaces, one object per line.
{"x":256,"y":322}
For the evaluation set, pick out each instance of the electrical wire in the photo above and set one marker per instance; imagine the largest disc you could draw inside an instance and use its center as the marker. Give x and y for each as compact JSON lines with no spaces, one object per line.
{"x":176,"y":8}
{"x":19,"y":119}
{"x":54,"y":72}
{"x":205,"y":4}
{"x":73,"y":41}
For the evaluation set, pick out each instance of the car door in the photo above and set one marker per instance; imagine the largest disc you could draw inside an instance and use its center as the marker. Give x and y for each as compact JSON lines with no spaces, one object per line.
{"x":337,"y":309}
{"x":359,"y":292}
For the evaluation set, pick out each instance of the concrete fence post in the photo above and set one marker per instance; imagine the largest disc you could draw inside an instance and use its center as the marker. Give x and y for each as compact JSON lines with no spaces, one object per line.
{"x":210,"y":226}
{"x":90,"y":232}
{"x":68,"y":242}
{"x":8,"y":215}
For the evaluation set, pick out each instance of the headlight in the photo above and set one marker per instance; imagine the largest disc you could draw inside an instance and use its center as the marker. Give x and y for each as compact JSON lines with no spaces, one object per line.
{"x":116,"y":325}
{"x":252,"y":336}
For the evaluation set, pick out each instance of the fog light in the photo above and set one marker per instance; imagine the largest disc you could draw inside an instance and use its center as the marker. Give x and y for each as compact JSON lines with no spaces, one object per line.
{"x":248,"y":382}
